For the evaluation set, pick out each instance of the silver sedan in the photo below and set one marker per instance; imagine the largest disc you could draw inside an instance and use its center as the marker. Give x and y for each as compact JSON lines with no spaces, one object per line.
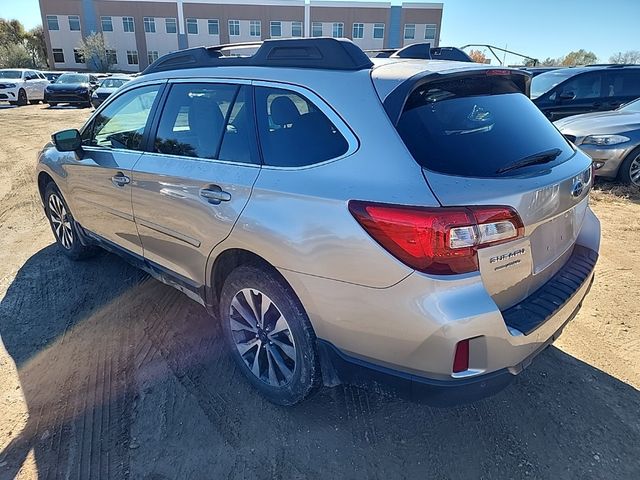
{"x":611,"y":139}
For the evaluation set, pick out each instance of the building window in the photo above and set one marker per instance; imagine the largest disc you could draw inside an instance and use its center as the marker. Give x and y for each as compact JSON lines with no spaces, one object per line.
{"x":358,"y":30}
{"x":296,"y":29}
{"x":78,"y":56}
{"x":107,"y":24}
{"x":132,"y":57}
{"x":214,"y":27}
{"x":52,"y":22}
{"x":255,"y":28}
{"x":234,"y":28}
{"x":74,"y":23}
{"x":127,"y":24}
{"x":192,"y":26}
{"x":338,"y":30}
{"x":430,"y":32}
{"x":316,"y":29}
{"x":58,"y":55}
{"x":149,"y":24}
{"x":378,"y":30}
{"x":112,"y":57}
{"x":170,"y":25}
{"x":152,"y":56}
{"x":409,"y":31}
{"x":276,"y":29}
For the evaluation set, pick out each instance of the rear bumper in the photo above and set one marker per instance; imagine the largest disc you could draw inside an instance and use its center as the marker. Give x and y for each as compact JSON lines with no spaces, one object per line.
{"x":339,"y":367}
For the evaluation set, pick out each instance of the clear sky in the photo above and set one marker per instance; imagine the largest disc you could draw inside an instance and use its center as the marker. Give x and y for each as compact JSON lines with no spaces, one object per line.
{"x":538,"y":28}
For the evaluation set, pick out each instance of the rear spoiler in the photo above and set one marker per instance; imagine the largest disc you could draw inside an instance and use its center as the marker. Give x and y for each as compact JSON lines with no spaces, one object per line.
{"x":421,"y":51}
{"x":394,"y":102}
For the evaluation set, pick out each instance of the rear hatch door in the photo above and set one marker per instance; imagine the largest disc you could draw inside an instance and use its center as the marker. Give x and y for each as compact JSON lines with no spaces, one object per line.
{"x":481,"y":141}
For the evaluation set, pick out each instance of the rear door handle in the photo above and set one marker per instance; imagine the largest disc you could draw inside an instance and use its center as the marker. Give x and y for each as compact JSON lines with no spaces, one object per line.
{"x":120,"y":179}
{"x":214,"y":194}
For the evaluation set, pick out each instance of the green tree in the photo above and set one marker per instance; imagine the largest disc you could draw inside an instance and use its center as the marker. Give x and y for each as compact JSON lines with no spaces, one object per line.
{"x":19,"y":48}
{"x":94,"y":49}
{"x":579,"y":57}
{"x":630,"y":56}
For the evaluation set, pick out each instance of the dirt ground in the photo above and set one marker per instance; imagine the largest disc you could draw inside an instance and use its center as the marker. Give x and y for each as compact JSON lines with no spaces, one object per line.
{"x":106,"y":373}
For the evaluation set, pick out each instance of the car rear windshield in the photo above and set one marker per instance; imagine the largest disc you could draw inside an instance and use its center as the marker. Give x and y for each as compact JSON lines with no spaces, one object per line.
{"x":73,"y":78}
{"x":478,"y":127}
{"x":10,"y":74}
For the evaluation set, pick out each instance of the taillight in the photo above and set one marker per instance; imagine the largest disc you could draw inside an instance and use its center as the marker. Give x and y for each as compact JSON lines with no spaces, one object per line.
{"x":440,"y":241}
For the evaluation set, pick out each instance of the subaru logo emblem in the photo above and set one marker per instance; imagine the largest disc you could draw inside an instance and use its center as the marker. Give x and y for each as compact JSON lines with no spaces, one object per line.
{"x":577,"y":188}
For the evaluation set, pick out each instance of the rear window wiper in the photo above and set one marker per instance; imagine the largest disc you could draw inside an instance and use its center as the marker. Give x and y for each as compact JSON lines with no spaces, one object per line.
{"x":535,"y":159}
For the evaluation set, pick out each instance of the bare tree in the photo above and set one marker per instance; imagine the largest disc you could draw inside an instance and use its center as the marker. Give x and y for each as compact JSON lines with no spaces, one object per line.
{"x":630,"y":56}
{"x":94,"y":50}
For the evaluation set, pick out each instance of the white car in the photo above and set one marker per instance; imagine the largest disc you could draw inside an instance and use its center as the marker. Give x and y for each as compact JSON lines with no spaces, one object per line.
{"x":19,"y":86}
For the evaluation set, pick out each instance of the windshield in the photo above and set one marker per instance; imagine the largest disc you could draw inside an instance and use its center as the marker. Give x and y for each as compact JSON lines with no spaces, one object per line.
{"x":10,"y":74}
{"x":73,"y":78}
{"x":113,"y":82}
{"x":544,"y":82}
{"x":468,"y":129}
{"x":631,"y":107}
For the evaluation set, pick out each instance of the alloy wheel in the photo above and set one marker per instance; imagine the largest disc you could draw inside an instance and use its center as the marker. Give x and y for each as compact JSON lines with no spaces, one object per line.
{"x":262,"y":336}
{"x":61,"y":221}
{"x":634,"y":171}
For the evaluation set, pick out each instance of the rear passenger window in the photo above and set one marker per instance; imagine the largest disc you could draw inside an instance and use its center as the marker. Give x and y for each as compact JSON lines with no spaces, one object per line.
{"x":202,"y":121}
{"x":584,"y":86}
{"x":623,"y":83}
{"x":293,"y":131}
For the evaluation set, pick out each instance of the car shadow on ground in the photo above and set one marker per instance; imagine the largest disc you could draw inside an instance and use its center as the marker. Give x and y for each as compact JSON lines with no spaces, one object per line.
{"x":124,"y":377}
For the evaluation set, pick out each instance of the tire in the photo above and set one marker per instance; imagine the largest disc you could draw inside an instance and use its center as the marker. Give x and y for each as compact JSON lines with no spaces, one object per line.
{"x":22,"y":98}
{"x":64,"y":227}
{"x":629,"y":171}
{"x":288,"y":369}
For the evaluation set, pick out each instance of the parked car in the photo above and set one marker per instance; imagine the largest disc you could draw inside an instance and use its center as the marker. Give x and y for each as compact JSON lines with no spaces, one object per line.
{"x":72,"y":88}
{"x":410,"y":223}
{"x":53,"y":76}
{"x":19,"y":86}
{"x":535,"y":71}
{"x":106,"y":88}
{"x":571,"y":91}
{"x":611,"y":139}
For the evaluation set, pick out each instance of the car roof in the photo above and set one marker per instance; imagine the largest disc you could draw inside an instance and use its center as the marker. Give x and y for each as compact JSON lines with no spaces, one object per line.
{"x":388,"y":73}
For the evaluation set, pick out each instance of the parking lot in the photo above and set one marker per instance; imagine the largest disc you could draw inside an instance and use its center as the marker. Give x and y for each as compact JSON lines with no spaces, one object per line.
{"x":106,"y":373}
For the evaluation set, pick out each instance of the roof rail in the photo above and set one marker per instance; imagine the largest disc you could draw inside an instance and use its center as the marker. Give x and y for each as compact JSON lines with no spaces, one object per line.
{"x":613,"y":65}
{"x":321,"y":53}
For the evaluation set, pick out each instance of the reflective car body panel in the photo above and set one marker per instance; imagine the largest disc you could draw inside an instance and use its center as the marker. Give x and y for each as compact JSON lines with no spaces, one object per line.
{"x":619,"y":122}
{"x":359,"y":297}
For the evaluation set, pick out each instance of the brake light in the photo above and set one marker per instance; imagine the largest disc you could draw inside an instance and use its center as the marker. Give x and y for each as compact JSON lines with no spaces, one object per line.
{"x":440,"y":241}
{"x":497,"y":72}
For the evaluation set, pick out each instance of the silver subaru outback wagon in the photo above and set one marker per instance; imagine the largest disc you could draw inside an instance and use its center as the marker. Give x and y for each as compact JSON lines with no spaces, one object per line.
{"x":413,"y":224}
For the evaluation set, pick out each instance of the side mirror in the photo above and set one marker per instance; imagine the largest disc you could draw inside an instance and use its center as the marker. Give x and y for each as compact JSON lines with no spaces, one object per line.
{"x":67,"y":140}
{"x":567,"y":96}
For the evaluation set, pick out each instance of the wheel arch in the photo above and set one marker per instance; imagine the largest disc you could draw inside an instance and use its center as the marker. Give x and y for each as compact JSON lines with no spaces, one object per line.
{"x":233,"y":257}
{"x":44,"y":179}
